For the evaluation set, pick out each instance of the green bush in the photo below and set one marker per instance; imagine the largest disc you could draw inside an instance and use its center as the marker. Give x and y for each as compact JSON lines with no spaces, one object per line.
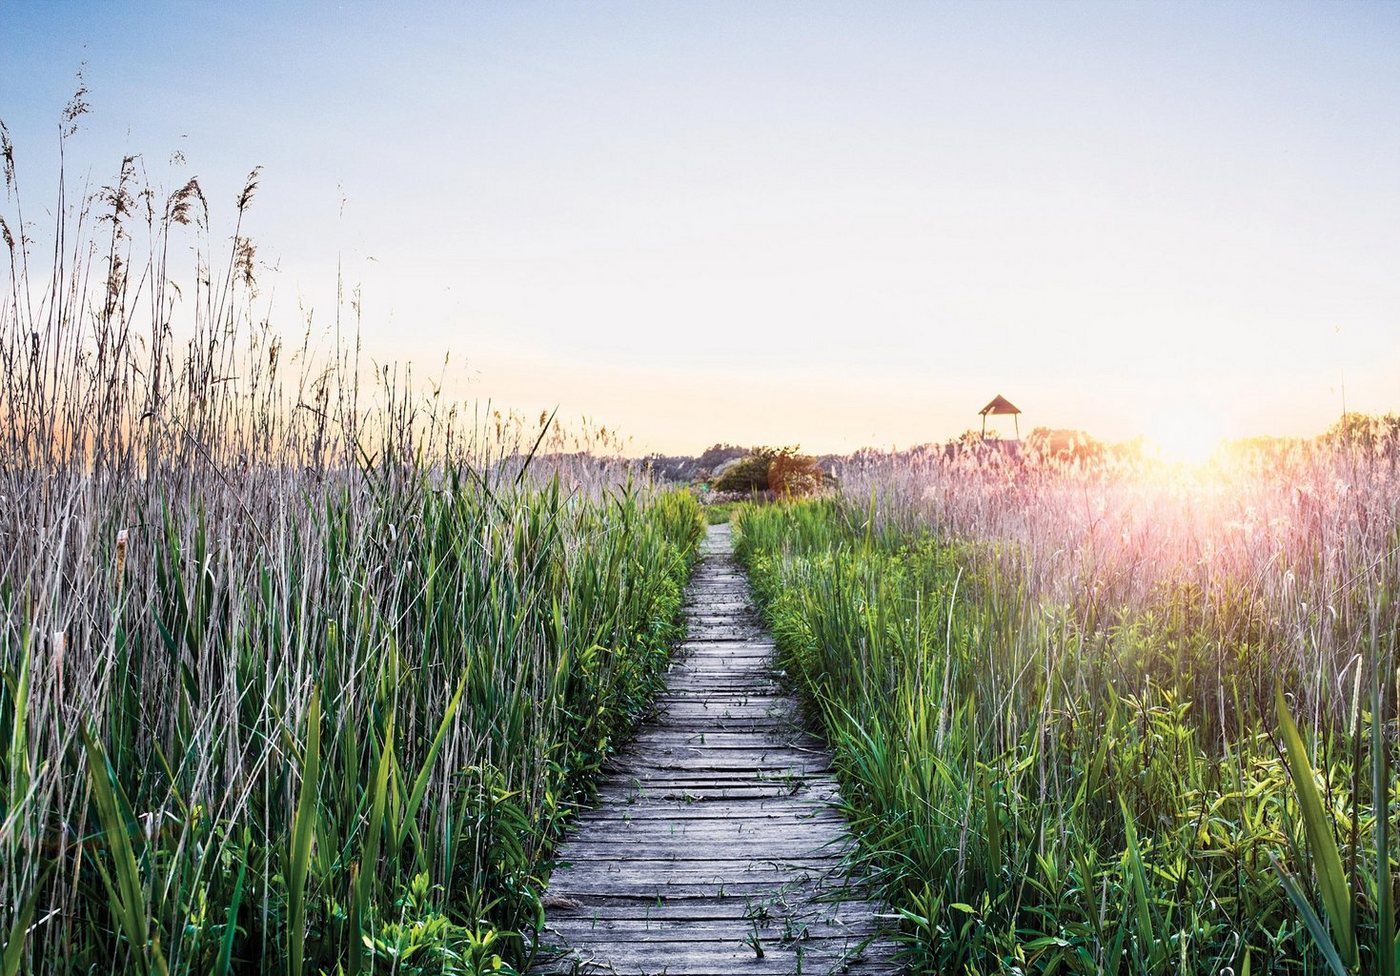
{"x":747,"y":475}
{"x":784,"y":471}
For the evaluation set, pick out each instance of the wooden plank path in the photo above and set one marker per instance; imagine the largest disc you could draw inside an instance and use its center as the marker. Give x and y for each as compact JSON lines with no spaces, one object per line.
{"x":714,"y":848}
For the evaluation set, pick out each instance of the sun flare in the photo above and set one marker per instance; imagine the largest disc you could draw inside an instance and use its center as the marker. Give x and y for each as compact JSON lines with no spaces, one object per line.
{"x":1187,"y":434}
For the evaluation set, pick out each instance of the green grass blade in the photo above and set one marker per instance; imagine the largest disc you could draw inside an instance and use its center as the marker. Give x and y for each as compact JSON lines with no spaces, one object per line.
{"x":124,"y":890}
{"x":1310,"y":919}
{"x":420,"y":784}
{"x":18,"y":760}
{"x":303,"y":835}
{"x":1380,"y":797}
{"x":369,"y":850}
{"x":993,"y":818}
{"x":224,"y":966}
{"x":534,"y":448}
{"x":1137,"y":873}
{"x":1331,"y":878}
{"x":14,"y":944}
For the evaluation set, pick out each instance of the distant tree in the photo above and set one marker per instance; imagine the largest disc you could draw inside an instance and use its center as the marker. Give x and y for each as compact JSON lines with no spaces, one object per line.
{"x":715,"y":457}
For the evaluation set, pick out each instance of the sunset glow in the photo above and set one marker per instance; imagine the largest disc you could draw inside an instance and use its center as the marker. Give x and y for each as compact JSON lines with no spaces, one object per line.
{"x":1187,"y":433}
{"x":839,"y":225}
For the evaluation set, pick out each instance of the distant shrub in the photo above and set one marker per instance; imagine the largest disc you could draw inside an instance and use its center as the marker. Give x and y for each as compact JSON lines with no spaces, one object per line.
{"x":1364,"y":432}
{"x":784,"y":471}
{"x":970,"y":440}
{"x":748,"y":474}
{"x":1063,"y":445}
{"x":791,"y":474}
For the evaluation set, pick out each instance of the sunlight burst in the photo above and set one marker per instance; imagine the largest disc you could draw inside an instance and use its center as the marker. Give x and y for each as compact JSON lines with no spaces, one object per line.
{"x":1187,"y":433}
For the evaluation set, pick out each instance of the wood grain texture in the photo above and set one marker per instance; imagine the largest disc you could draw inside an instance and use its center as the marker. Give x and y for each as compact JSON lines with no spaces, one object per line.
{"x":715,"y":847}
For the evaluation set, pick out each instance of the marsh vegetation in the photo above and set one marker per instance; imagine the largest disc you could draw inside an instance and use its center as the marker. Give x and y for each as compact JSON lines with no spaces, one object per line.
{"x":1109,"y":716}
{"x":303,"y":668}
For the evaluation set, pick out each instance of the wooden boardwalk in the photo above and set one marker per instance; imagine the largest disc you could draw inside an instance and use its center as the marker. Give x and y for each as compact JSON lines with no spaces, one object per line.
{"x":714,"y":848}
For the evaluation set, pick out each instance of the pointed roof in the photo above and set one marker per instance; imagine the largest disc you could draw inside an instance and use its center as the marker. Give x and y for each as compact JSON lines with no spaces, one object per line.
{"x":999,"y":405}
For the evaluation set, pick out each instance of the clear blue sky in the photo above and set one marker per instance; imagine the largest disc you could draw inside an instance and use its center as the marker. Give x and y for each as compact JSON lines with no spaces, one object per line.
{"x":834,"y":224}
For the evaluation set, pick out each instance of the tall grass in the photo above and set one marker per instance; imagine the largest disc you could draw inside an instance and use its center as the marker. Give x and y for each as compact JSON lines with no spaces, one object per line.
{"x":1063,"y":700}
{"x":302,"y":670}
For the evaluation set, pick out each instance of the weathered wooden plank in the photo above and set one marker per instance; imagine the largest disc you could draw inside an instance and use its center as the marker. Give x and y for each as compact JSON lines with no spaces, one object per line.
{"x":734,"y":933}
{"x":741,"y":812}
{"x":617,"y":914}
{"x":792,"y":738}
{"x":818,"y":799}
{"x":739,"y":663}
{"x":734,"y":748}
{"x":694,"y":959}
{"x":722,"y":723}
{"x":678,"y":855}
{"x":695,"y":796}
{"x":720,"y":757}
{"x":729,"y":707}
{"x":711,"y":830}
{"x":711,"y":877}
{"x":817,"y":833}
{"x":656,"y":892}
{"x":732,"y":754}
{"x":724,"y":679}
{"x":732,"y":763}
{"x":694,"y":674}
{"x":650,"y":803}
{"x":774,"y":772}
{"x":779,"y":769}
{"x":672,"y":697}
{"x":705,"y":840}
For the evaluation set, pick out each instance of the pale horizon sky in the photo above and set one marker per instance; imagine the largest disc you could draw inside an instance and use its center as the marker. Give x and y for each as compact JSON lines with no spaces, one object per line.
{"x":837,"y":225}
